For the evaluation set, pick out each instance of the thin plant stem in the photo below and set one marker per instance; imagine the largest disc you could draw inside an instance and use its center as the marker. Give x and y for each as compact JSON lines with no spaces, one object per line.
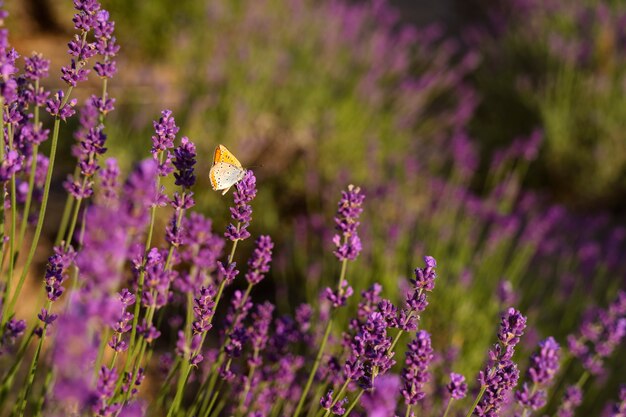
{"x":316,"y":364}
{"x":320,"y":353}
{"x":445,"y":413}
{"x":42,"y":208}
{"x":354,"y":403}
{"x":65,"y":217}
{"x":70,"y":233}
{"x":12,"y":245}
{"x":478,"y":397}
{"x":29,"y":198}
{"x":407,"y":413}
{"x":31,"y":178}
{"x":42,"y":398}
{"x":337,"y":397}
{"x":23,"y":398}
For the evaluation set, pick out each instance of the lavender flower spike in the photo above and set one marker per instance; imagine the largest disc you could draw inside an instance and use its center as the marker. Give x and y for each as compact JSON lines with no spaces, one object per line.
{"x":572,"y":398}
{"x":543,"y":368}
{"x":501,"y":374}
{"x":259,"y":263}
{"x":457,"y":386}
{"x":415,"y":374}
{"x":242,"y":211}
{"x":184,"y":161}
{"x":347,"y":221}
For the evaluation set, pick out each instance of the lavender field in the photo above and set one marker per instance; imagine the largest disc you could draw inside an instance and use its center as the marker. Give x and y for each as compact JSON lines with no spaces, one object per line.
{"x":417,"y":218}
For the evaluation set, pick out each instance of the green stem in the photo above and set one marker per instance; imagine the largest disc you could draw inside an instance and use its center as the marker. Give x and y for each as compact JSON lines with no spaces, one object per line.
{"x":42,"y":209}
{"x":65,"y":217}
{"x":33,"y":368}
{"x":445,"y":413}
{"x":29,"y":197}
{"x":354,"y":403}
{"x":316,"y":364}
{"x":44,"y":391}
{"x":478,"y":397}
{"x":179,"y":389}
{"x":12,"y":245}
{"x":31,"y":178}
{"x":70,"y":233}
{"x":407,"y":413}
{"x":320,"y":352}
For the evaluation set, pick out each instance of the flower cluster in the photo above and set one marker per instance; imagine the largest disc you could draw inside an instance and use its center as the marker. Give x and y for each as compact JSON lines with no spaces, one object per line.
{"x":457,"y":388}
{"x":544,"y":365}
{"x":163,"y":140}
{"x":415,"y":373}
{"x":241,"y":213}
{"x":56,"y":271}
{"x":599,"y":335}
{"x":349,"y":210}
{"x":259,"y":263}
{"x":572,"y":398}
{"x":501,"y":374}
{"x":123,"y":324}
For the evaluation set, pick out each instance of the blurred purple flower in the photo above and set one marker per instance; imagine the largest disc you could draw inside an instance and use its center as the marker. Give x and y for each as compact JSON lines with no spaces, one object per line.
{"x":349,"y":210}
{"x":381,"y":401}
{"x":457,"y":386}
{"x":259,"y":262}
{"x":572,"y":398}
{"x":544,"y":365}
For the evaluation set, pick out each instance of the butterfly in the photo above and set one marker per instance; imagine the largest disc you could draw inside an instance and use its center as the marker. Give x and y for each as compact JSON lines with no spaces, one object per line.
{"x":226,"y":170}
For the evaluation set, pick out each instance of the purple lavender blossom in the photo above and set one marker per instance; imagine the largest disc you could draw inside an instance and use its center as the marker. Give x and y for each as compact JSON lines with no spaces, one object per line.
{"x":369,"y":355}
{"x":619,"y":408}
{"x":381,"y":401}
{"x":544,"y":365}
{"x":163,"y":140}
{"x":600,"y":334}
{"x":416,"y":300}
{"x":203,"y":308}
{"x":327,"y":404}
{"x":157,"y":278}
{"x":13,"y":330}
{"x":457,"y":386}
{"x":241,"y":213}
{"x":105,"y":390}
{"x":572,"y":398}
{"x":105,"y":44}
{"x":109,"y":186}
{"x":349,"y":210}
{"x":415,"y":373}
{"x":227,"y":272}
{"x":56,"y":271}
{"x":340,"y":297}
{"x":259,"y":262}
{"x":501,"y":374}
{"x":58,"y":107}
{"x":10,"y":165}
{"x":36,"y":67}
{"x":184,"y":161}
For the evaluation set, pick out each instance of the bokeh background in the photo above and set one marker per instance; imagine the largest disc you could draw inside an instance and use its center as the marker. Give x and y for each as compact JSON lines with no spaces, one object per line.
{"x":489,"y":134}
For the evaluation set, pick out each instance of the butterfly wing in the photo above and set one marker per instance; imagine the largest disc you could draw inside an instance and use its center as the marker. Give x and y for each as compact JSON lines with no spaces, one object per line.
{"x":224,"y":175}
{"x":224,"y":155}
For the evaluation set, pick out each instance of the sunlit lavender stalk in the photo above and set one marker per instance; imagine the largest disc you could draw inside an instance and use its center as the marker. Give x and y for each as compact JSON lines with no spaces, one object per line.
{"x":348,"y":247}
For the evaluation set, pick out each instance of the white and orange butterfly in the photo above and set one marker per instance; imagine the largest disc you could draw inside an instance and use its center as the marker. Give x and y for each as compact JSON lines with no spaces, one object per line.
{"x":226,"y":170}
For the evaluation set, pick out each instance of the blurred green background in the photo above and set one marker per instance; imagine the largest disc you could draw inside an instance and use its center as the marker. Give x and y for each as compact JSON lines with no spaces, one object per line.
{"x":488,"y":134}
